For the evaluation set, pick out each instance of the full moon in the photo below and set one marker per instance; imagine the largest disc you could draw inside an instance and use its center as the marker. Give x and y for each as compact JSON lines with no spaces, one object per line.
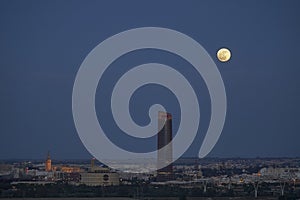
{"x":224,"y":55}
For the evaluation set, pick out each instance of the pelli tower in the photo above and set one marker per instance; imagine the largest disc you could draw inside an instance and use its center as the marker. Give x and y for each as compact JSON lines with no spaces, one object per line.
{"x":164,"y":156}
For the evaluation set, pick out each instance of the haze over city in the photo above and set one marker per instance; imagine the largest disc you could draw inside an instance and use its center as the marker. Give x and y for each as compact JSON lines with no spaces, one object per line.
{"x":44,"y":43}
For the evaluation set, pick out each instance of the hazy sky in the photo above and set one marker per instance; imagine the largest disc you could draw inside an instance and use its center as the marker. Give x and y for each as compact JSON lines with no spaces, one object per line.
{"x":43,"y":43}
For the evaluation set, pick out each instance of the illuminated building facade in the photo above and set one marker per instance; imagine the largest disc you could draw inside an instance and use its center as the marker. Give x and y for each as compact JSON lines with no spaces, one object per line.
{"x":164,"y":137}
{"x":66,"y":169}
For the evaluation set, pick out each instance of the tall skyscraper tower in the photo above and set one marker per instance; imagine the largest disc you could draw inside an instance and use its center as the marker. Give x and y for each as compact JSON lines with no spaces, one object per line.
{"x":48,"y":166}
{"x":164,"y":137}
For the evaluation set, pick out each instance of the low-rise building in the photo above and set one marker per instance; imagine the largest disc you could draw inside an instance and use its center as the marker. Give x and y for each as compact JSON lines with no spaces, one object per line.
{"x":99,"y":176}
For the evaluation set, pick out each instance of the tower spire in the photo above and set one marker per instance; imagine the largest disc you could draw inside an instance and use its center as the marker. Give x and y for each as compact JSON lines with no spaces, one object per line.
{"x":48,"y":166}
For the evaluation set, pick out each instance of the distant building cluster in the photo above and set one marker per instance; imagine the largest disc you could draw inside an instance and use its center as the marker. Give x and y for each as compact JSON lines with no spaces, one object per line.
{"x":42,"y":173}
{"x":239,"y":177}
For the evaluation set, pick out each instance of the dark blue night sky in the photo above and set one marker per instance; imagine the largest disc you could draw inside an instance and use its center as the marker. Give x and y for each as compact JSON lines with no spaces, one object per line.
{"x":43,"y":43}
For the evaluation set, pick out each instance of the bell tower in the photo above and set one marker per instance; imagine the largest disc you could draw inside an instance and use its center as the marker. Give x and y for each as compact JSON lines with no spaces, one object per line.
{"x":48,"y":166}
